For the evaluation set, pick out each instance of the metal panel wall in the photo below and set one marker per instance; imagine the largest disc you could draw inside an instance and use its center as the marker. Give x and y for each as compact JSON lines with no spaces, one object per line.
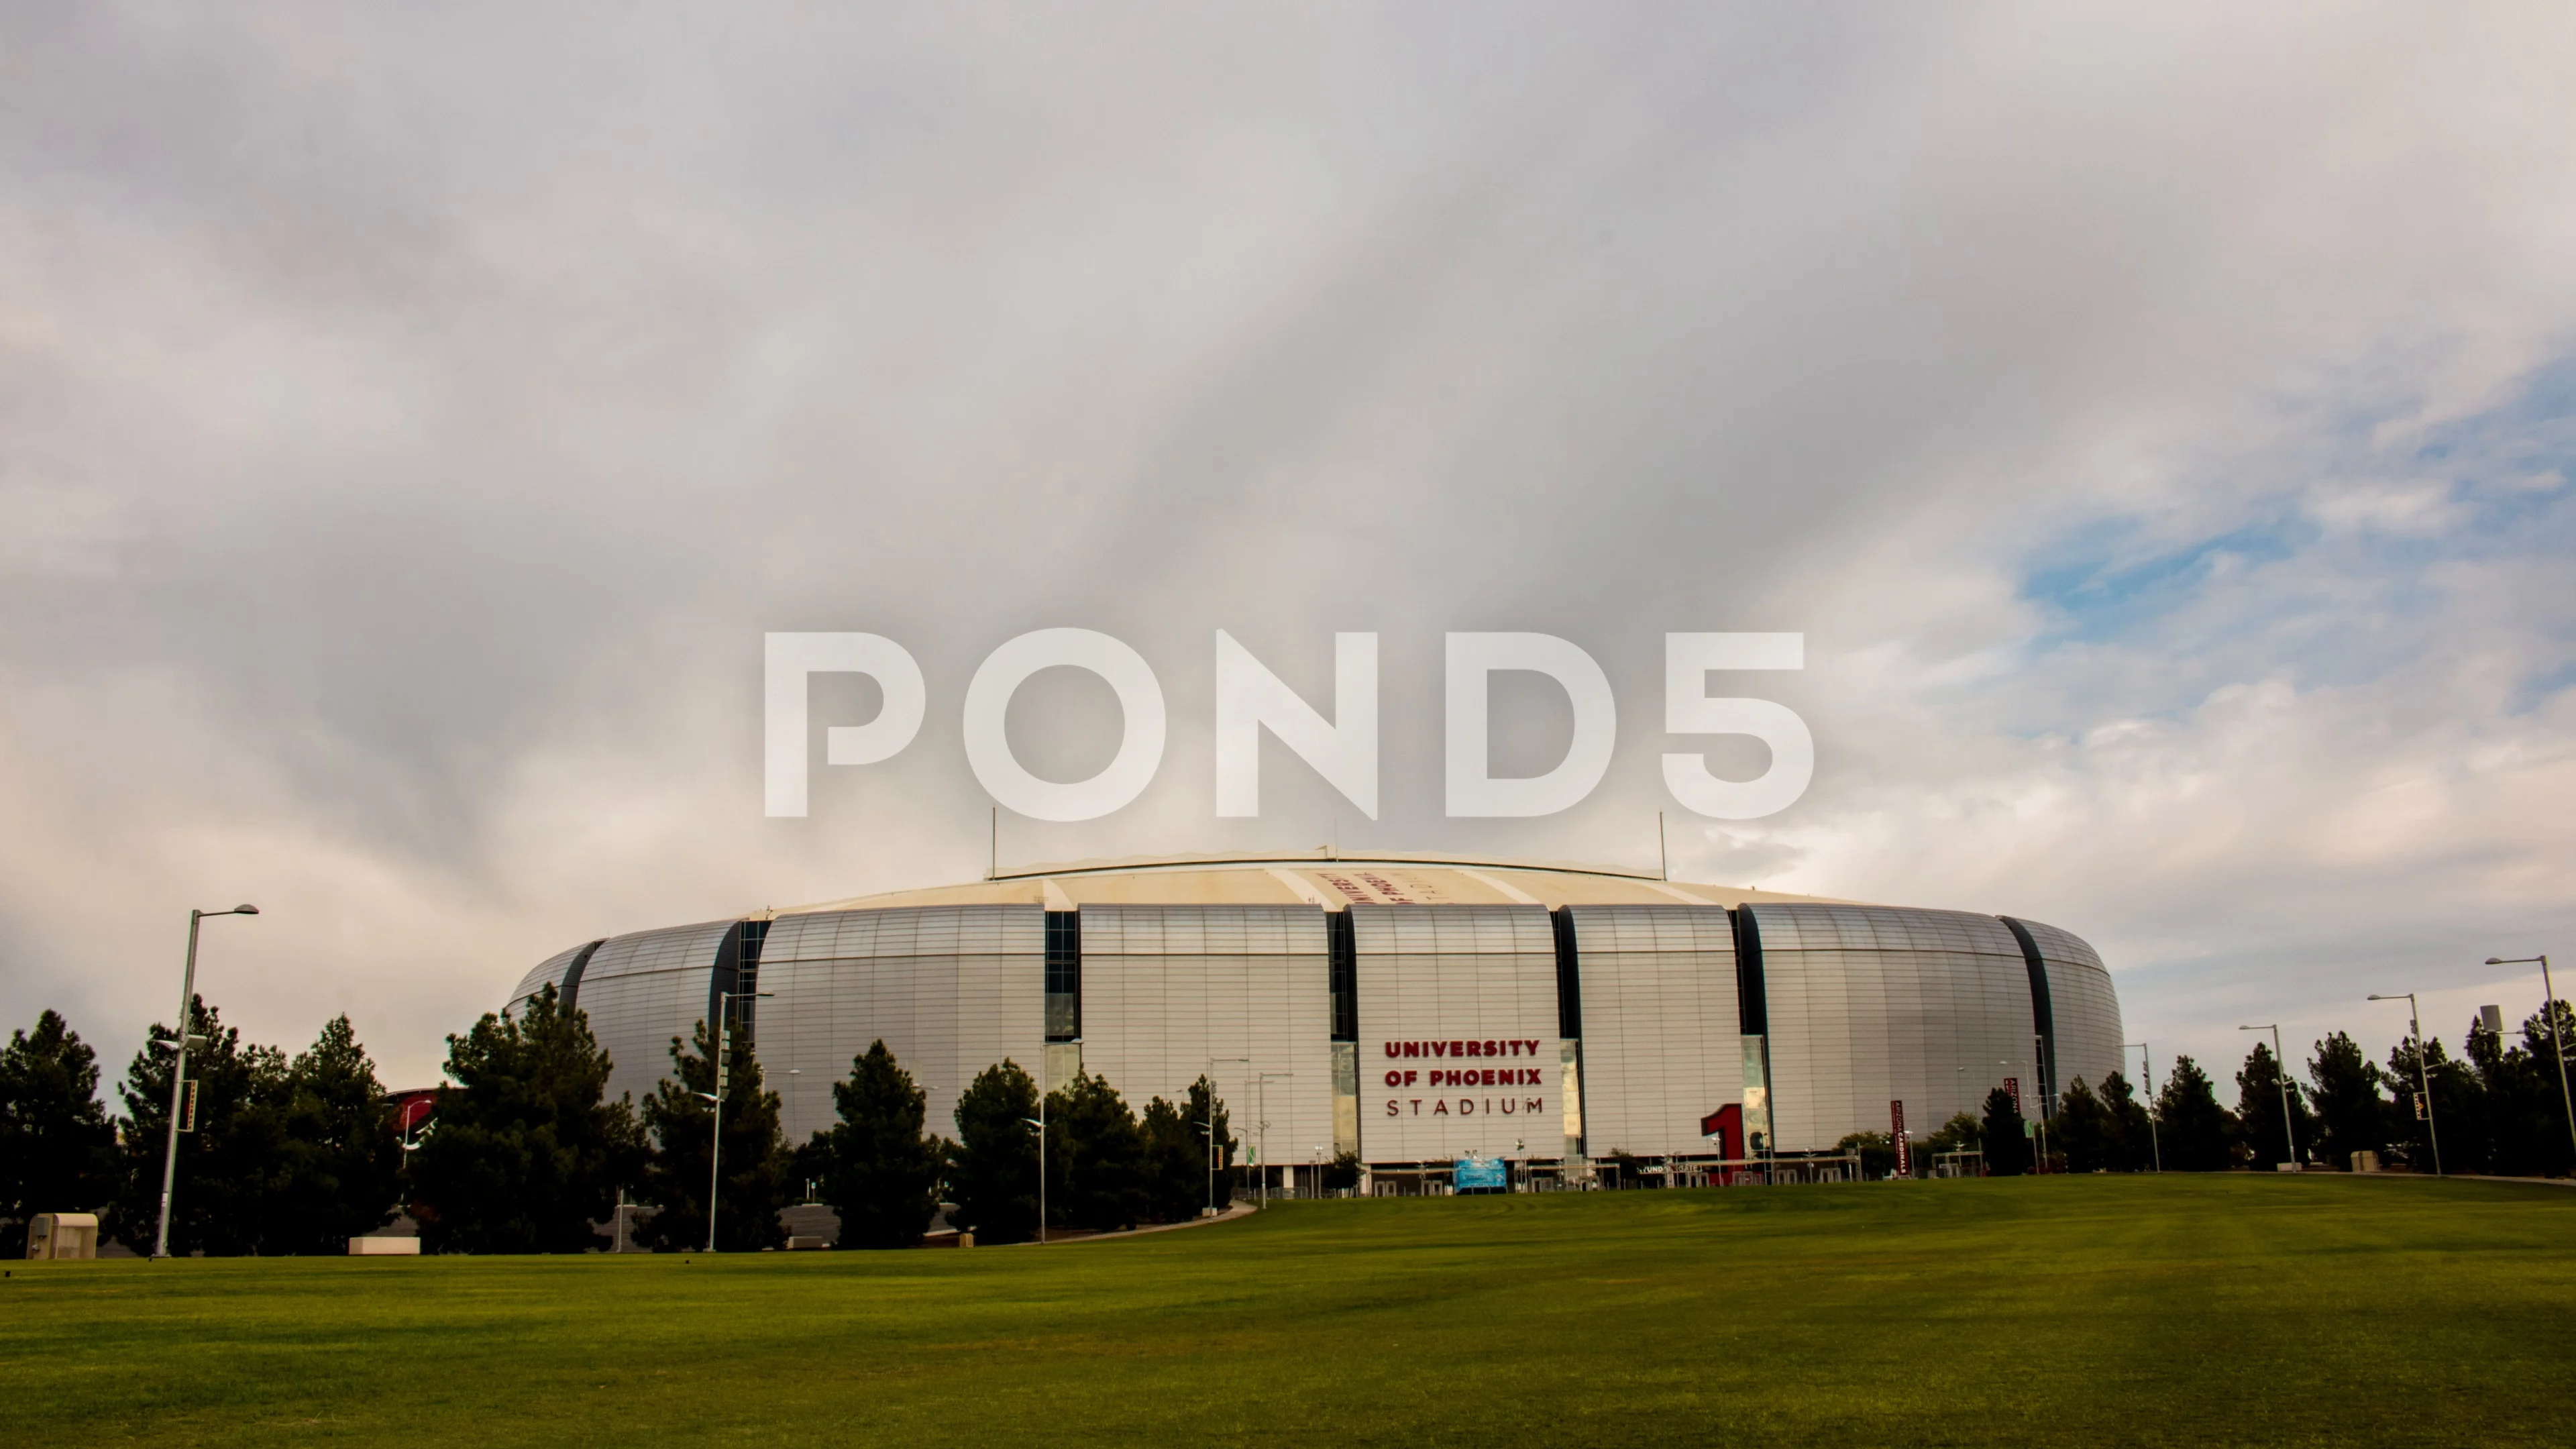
{"x":1661,"y":1047}
{"x":1871,"y":1004}
{"x":950,"y":989}
{"x":2086,"y":1006}
{"x":640,"y":991}
{"x":1468,"y":988}
{"x":1165,"y":988}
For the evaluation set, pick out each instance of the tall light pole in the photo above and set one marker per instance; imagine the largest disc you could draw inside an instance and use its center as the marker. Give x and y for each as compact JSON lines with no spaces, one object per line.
{"x":724,"y":1079}
{"x":2147,"y":1076}
{"x":1039,"y":1122}
{"x":2047,"y":1096}
{"x":1264,"y":1130}
{"x":1207,"y":1127}
{"x":2281,"y":1079}
{"x":179,"y":1069}
{"x":2423,"y":1078}
{"x":2549,"y":1004}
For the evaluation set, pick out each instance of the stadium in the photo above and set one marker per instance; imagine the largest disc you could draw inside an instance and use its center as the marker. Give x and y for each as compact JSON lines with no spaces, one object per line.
{"x":1410,"y":1010}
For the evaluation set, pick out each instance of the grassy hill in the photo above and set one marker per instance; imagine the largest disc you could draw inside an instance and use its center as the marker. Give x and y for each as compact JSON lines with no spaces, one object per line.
{"x":2172,"y":1310}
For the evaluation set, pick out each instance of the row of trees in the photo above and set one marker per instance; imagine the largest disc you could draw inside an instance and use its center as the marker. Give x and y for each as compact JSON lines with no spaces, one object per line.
{"x":2496,"y":1109}
{"x":528,"y":1154}
{"x":288,"y":1154}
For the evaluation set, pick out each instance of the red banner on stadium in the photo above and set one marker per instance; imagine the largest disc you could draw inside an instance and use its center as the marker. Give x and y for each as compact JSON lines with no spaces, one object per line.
{"x":1896,"y":1129}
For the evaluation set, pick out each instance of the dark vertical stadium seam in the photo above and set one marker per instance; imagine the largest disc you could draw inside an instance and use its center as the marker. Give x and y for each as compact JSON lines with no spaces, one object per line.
{"x":1569,"y":976}
{"x":2043,"y":1014}
{"x":1752,"y":1003}
{"x":1344,"y":950}
{"x":570,"y":991}
{"x":737,"y":970}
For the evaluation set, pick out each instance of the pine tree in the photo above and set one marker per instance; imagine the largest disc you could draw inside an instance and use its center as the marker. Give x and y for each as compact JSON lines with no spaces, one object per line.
{"x":2260,"y":1090}
{"x":878,"y":1170}
{"x":1179,"y":1177}
{"x":2552,"y":1152}
{"x":2457,"y":1112}
{"x":341,"y":1171}
{"x":2003,"y":1137}
{"x":2194,"y":1127}
{"x":228,"y":1166}
{"x":527,"y":1153}
{"x":1344,"y":1173}
{"x":1175,"y":1164}
{"x":755,"y":1164}
{"x":1095,"y":1168}
{"x":2351,"y":1114}
{"x":993,"y":1171}
{"x":2083,"y":1130}
{"x":2133,"y":1142}
{"x":57,"y":1150}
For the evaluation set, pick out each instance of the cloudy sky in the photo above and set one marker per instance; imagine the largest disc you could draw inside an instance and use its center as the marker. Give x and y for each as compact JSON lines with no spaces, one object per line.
{"x":2159,"y":421}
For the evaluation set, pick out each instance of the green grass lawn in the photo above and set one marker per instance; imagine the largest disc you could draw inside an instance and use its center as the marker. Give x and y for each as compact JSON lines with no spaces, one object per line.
{"x":2090,"y":1310}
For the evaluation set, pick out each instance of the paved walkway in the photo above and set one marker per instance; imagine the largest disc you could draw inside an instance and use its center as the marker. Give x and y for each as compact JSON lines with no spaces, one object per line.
{"x":2461,"y":1177}
{"x":1239,"y":1210}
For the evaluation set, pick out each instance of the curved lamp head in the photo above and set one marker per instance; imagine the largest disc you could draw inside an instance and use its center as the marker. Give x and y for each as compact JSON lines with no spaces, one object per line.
{"x":245,"y":909}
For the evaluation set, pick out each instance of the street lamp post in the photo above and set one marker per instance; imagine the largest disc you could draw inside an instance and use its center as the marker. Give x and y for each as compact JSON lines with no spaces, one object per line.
{"x":2147,"y":1076}
{"x":724,"y":1078}
{"x":1207,"y":1126}
{"x":1262,"y":1136}
{"x":2549,"y":1004}
{"x":2423,"y":1078}
{"x":2281,"y":1079}
{"x":1039,"y":1122}
{"x":179,"y":1070}
{"x":2047,"y":1097}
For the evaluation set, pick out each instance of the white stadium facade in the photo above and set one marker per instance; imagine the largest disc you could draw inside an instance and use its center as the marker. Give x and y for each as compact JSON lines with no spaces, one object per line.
{"x":1409,"y":1009}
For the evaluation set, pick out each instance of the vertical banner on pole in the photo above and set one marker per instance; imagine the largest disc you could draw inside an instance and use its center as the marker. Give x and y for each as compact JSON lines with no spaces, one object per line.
{"x":1896,"y":1129}
{"x":2013,"y":1086}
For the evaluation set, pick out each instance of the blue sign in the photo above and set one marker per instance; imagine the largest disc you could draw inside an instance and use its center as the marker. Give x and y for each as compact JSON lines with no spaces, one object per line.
{"x":1471,"y":1173}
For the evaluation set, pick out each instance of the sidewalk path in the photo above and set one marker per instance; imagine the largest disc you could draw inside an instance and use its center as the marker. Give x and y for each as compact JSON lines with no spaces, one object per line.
{"x":1238,"y":1210}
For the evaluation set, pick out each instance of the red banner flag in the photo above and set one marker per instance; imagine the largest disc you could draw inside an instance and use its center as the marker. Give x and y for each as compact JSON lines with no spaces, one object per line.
{"x":1896,"y":1129}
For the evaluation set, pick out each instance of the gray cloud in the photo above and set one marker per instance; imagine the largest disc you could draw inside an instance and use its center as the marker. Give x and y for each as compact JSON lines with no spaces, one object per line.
{"x":410,"y":419}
